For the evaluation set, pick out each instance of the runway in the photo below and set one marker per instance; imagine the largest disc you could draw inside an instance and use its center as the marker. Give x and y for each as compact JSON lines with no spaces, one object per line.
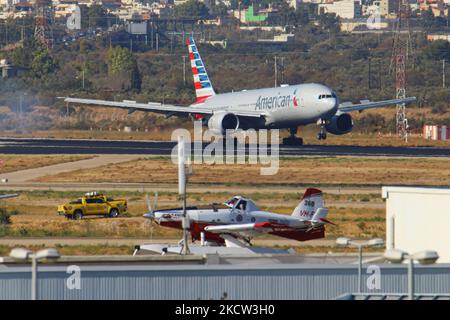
{"x":130,"y":147}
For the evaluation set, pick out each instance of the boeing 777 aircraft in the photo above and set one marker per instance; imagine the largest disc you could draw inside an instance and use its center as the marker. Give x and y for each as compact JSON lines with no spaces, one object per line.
{"x":279,"y":107}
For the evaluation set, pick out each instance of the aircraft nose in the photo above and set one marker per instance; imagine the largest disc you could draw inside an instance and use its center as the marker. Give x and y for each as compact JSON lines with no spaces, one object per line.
{"x":334,"y":102}
{"x":149,"y":215}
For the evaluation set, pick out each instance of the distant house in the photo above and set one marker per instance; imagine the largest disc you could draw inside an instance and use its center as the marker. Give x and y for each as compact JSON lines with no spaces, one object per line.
{"x":10,"y":71}
{"x":346,"y":9}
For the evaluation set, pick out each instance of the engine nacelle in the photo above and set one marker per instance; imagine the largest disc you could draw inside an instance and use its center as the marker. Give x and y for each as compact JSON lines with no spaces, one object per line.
{"x":340,"y":124}
{"x":222,"y":121}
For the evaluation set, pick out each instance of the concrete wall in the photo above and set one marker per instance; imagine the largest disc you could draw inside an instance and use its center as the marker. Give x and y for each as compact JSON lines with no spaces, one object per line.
{"x":418,"y":219}
{"x":299,"y":281}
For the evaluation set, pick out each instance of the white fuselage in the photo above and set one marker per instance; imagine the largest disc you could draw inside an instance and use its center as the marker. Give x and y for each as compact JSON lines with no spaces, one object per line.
{"x":282,"y":107}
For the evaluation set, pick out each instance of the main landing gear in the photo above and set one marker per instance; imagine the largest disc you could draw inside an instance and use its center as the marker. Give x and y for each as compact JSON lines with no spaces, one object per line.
{"x":293,"y":140}
{"x":322,"y":135}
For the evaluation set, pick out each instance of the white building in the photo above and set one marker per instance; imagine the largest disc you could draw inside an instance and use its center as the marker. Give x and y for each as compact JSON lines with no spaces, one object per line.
{"x":418,"y":219}
{"x":294,"y":3}
{"x":387,"y":7}
{"x":346,"y":9}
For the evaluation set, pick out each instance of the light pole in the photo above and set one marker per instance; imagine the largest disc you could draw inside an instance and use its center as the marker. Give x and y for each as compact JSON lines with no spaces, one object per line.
{"x":25,"y":255}
{"x":182,"y":181}
{"x":370,"y":243}
{"x":423,"y":257}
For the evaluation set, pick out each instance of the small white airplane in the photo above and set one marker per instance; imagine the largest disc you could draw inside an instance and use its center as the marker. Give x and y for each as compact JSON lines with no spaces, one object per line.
{"x":241,"y":220}
{"x":270,"y":108}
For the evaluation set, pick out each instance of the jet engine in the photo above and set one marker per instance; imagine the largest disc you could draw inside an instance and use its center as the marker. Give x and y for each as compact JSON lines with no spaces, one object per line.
{"x":222,"y":121}
{"x":340,"y":124}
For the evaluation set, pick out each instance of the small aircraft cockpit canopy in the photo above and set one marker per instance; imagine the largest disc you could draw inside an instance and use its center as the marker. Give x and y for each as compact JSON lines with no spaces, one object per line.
{"x":241,"y":203}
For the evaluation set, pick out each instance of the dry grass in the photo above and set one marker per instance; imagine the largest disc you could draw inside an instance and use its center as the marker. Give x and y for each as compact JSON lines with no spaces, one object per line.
{"x":37,"y":216}
{"x":327,"y":171}
{"x":21,"y":162}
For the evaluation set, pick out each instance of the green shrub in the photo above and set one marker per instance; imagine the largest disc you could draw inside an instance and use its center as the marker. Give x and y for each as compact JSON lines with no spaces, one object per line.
{"x":5,"y":217}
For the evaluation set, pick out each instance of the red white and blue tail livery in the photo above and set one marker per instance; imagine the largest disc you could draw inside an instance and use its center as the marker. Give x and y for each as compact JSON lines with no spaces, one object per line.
{"x":202,"y":84}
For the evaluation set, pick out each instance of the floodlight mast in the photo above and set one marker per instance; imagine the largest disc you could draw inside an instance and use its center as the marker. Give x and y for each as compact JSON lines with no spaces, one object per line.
{"x":423,"y":257}
{"x":182,"y":178}
{"x":24,"y":255}
{"x":343,"y":241}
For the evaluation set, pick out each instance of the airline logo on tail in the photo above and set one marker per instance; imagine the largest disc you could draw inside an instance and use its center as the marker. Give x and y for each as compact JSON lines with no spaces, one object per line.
{"x":202,"y":84}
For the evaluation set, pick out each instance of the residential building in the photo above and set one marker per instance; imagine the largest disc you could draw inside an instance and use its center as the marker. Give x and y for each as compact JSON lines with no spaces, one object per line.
{"x":346,"y":9}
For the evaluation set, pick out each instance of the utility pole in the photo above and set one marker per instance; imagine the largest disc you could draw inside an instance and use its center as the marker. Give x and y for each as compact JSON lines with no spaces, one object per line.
{"x":282,"y":70}
{"x":276,"y":71}
{"x":184,"y":70}
{"x":182,"y":178}
{"x":443,"y":73}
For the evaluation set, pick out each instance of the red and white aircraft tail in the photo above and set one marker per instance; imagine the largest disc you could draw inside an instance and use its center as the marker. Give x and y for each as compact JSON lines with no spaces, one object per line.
{"x":202,"y":84}
{"x":311,"y":201}
{"x":312,"y":207}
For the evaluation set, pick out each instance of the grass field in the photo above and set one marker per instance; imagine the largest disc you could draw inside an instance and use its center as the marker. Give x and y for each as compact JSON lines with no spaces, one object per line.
{"x":308,"y":170}
{"x":20,"y":162}
{"x":35,"y":214}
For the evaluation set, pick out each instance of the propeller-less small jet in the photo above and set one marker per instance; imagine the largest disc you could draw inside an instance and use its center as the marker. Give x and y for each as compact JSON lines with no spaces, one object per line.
{"x":240,"y":220}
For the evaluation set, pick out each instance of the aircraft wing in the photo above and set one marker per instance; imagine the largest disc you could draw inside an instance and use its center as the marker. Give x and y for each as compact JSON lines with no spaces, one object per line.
{"x":167,"y":109}
{"x":6,"y":196}
{"x":259,"y":227}
{"x":366,"y":104}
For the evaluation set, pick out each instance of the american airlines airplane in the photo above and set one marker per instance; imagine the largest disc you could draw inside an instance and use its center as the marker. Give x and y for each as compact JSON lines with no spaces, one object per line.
{"x":287,"y":106}
{"x":241,"y":220}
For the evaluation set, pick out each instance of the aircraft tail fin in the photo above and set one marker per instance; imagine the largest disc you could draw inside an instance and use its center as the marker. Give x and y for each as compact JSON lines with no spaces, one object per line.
{"x":202,"y":84}
{"x":312,"y":201}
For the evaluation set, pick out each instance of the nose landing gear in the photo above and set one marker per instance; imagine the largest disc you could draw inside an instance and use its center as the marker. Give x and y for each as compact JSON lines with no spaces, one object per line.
{"x":322,"y":135}
{"x":292,"y":140}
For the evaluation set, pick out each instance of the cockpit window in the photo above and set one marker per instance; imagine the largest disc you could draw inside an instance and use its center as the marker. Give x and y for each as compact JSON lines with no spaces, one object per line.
{"x":324,"y":96}
{"x":242,"y":205}
{"x":230,"y":203}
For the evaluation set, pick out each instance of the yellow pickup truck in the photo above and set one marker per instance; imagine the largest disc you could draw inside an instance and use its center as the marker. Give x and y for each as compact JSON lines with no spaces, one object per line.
{"x":93,"y":204}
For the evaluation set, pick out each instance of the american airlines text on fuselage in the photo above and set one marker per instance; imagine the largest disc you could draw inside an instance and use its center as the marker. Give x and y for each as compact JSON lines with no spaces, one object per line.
{"x":274,"y":102}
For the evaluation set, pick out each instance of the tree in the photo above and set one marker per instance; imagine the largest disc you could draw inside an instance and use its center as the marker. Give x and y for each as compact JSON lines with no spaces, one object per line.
{"x":429,"y":21}
{"x":42,"y":64}
{"x":219,"y":10}
{"x":136,"y":78}
{"x":192,"y":9}
{"x":437,"y":50}
{"x":329,"y":22}
{"x":23,"y":56}
{"x":95,"y":16}
{"x":122,"y":62}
